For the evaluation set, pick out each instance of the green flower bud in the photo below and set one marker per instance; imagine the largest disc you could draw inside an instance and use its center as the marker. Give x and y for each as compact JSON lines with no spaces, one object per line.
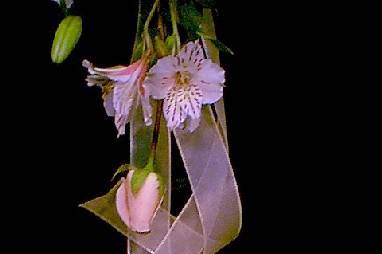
{"x":170,"y":42}
{"x":66,"y":37}
{"x":160,"y":47}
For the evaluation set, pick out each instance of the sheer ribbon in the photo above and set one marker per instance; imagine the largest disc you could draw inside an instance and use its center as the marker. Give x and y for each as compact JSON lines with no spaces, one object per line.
{"x":212,"y":216}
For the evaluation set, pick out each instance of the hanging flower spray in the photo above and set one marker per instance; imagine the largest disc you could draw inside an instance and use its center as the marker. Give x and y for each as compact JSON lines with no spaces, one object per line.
{"x":167,"y":89}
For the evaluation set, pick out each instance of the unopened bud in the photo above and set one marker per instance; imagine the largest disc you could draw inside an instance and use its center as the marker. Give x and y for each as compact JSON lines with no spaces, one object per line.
{"x":66,"y":38}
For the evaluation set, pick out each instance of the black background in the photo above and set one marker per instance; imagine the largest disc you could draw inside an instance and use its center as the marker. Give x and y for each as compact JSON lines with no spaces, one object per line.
{"x":270,"y":125}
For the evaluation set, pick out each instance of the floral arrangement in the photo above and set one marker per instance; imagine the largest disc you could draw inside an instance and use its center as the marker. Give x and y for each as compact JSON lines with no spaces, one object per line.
{"x":172,"y":86}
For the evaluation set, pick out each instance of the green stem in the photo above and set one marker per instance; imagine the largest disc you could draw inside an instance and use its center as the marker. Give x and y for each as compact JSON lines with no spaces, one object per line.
{"x":64,"y":8}
{"x":137,"y":33}
{"x":156,"y":128}
{"x":175,"y":32}
{"x":160,"y":24}
{"x":146,"y":26}
{"x":150,"y":162}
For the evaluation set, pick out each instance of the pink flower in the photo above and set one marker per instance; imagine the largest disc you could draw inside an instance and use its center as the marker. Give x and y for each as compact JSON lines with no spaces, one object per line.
{"x":123,"y":89}
{"x":138,"y":210}
{"x":185,"y":82}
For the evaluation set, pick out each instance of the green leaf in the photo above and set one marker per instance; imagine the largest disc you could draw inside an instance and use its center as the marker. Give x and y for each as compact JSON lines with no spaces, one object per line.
{"x":137,"y":51}
{"x":222,"y":47}
{"x":105,"y":208}
{"x":123,"y":168}
{"x":160,"y":47}
{"x":218,"y":44}
{"x":190,"y":19}
{"x":67,"y":35}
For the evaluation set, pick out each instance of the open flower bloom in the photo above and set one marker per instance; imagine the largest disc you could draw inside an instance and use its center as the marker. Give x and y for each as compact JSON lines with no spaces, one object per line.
{"x":138,"y":210}
{"x":185,"y":82}
{"x":122,"y":88}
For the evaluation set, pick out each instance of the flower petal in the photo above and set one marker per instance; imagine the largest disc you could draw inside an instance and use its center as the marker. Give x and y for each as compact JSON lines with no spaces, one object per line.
{"x":164,"y":66}
{"x":158,"y":88}
{"x":161,"y":77}
{"x":143,"y":205}
{"x":173,"y":112}
{"x":121,"y":73}
{"x":211,"y":92}
{"x":124,"y":96}
{"x":108,"y":104}
{"x":191,"y":54}
{"x":210,"y":73}
{"x":121,"y":203}
{"x":116,"y":73}
{"x":120,"y":122}
{"x":192,"y":101}
{"x":180,"y":103}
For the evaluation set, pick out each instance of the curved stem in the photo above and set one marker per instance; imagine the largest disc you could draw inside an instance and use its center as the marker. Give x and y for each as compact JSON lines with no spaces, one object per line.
{"x":146,"y":26}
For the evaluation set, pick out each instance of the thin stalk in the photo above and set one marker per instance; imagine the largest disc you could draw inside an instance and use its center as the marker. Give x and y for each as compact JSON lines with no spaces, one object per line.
{"x":174,"y":18}
{"x":146,"y":26}
{"x":137,"y":33}
{"x":156,"y":128}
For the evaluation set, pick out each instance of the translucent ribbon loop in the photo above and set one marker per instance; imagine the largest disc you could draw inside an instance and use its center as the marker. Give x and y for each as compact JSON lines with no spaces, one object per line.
{"x":212,"y":216}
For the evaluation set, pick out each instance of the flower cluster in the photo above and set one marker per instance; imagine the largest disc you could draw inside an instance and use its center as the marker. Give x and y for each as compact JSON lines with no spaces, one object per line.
{"x":185,"y":82}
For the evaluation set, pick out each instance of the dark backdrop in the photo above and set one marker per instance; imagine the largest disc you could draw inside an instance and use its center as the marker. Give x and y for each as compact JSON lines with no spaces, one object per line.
{"x":267,"y":126}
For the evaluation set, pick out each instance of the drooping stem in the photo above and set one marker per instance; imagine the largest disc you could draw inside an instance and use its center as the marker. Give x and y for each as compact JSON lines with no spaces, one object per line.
{"x":174,"y":18}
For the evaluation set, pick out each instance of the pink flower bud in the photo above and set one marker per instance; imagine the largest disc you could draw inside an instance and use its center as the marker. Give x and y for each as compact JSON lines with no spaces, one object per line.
{"x":138,"y":210}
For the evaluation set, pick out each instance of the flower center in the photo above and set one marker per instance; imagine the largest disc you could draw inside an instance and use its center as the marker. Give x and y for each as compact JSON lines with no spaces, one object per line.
{"x":182,"y":79}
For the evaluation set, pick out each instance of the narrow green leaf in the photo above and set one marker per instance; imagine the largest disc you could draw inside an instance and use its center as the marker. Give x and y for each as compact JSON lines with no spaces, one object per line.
{"x":123,"y":168}
{"x":104,"y":207}
{"x":137,"y":52}
{"x":190,"y":19}
{"x":160,"y":47}
{"x":209,"y":29}
{"x":222,"y":47}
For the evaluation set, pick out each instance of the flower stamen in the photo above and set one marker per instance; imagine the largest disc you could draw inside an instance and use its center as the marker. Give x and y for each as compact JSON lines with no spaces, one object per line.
{"x":182,"y":79}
